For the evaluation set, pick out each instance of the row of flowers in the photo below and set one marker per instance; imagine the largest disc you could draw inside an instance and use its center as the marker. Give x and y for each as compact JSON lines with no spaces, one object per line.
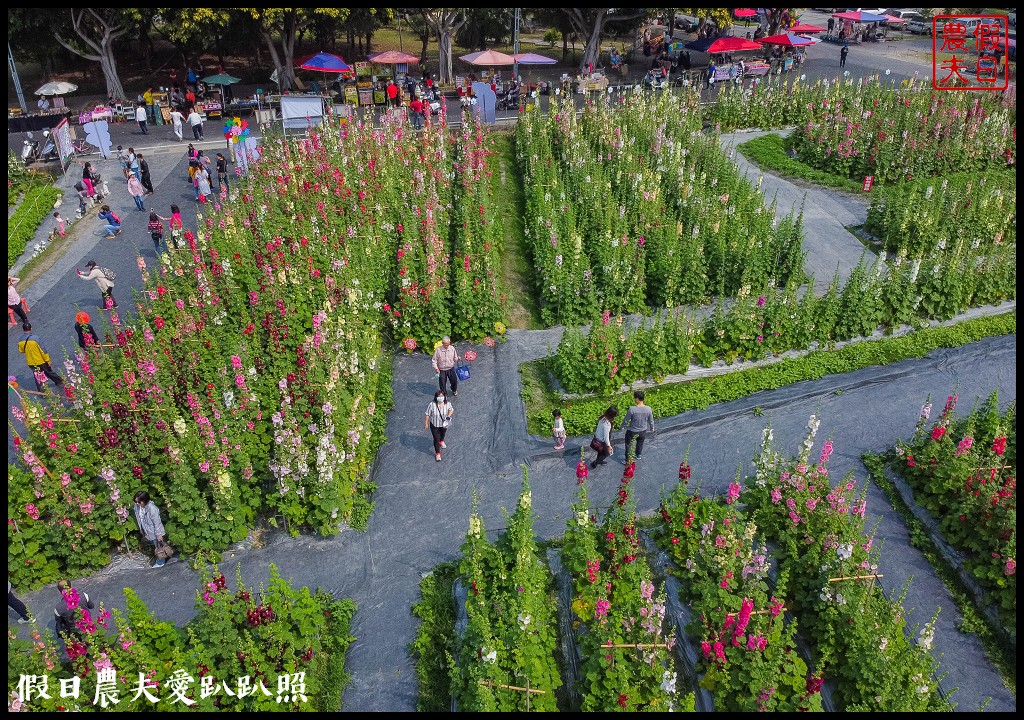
{"x":856,"y":128}
{"x":630,"y":206}
{"x":755,"y":325}
{"x":964,"y":472}
{"x":511,"y":636}
{"x":255,"y":378}
{"x":288,"y":645}
{"x":915,"y":218}
{"x":791,"y":514}
{"x":626,"y":643}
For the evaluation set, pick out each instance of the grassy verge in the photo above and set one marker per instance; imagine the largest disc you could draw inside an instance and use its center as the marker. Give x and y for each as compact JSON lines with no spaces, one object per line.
{"x":667,"y":400}
{"x":1002,"y":655}
{"x":516,"y":269}
{"x":37,"y":203}
{"x":769,"y":153}
{"x":436,"y":610}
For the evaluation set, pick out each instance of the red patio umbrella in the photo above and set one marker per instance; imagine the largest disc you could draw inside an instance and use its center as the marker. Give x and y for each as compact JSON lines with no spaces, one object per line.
{"x":728,"y":43}
{"x":859,"y":16}
{"x":806,"y":29}
{"x":786,"y":40}
{"x":745,"y":13}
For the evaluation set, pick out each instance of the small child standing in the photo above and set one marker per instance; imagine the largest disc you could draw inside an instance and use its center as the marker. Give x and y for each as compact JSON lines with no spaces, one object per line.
{"x":156,"y":230}
{"x":558,"y":429}
{"x":61,"y":226}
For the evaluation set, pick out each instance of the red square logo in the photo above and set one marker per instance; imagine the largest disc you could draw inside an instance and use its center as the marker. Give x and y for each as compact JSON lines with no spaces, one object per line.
{"x":969,"y":52}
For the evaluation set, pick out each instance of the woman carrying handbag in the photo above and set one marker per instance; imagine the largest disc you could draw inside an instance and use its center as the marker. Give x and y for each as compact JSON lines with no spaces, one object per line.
{"x":438,"y":417}
{"x":602,"y":442}
{"x":147,"y":515}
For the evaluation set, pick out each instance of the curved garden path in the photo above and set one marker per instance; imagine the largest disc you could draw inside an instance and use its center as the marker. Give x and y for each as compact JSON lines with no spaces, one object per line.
{"x":422,"y":507}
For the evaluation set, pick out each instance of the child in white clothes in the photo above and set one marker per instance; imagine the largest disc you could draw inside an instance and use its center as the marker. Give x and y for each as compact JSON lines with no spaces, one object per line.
{"x":558,"y":429}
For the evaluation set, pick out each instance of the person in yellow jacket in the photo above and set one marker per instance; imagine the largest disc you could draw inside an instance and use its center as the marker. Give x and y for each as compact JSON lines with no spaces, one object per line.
{"x":37,"y":357}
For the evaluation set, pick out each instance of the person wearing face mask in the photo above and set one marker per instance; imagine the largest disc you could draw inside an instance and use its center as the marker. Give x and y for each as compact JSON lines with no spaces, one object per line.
{"x":438,"y":417}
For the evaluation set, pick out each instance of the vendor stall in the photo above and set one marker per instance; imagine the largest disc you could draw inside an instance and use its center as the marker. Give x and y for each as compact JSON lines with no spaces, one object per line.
{"x":44,"y":121}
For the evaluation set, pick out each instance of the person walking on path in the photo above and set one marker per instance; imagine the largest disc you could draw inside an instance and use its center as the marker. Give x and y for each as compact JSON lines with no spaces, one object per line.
{"x":147,"y":515}
{"x":104,"y":278}
{"x":392,"y":91}
{"x":156,"y":231}
{"x":438,"y":417}
{"x":90,"y":189}
{"x":222,"y":172}
{"x":147,"y":181}
{"x":843,"y":53}
{"x":133,"y":163}
{"x":71,"y":599}
{"x":36,"y":357}
{"x":176,"y":120}
{"x":14,"y":302}
{"x":175,"y":226}
{"x":603,"y":435}
{"x":558,"y":429}
{"x":136,"y":190}
{"x":638,"y":422}
{"x":203,"y":189}
{"x":87,"y":336}
{"x":113,"y":226}
{"x":140,"y":118}
{"x":195,"y":121}
{"x":444,"y":361}
{"x":416,"y":113}
{"x":15,"y":604}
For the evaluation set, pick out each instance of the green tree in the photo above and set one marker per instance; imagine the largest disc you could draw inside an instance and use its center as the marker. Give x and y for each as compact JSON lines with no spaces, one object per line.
{"x":91,"y":35}
{"x":25,"y":26}
{"x":590,"y":24}
{"x":284,"y":25}
{"x":555,"y":18}
{"x":189,"y":30}
{"x":445,"y":22}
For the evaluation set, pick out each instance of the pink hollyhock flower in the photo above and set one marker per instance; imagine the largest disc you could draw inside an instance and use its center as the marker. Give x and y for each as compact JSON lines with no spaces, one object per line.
{"x":938,"y":432}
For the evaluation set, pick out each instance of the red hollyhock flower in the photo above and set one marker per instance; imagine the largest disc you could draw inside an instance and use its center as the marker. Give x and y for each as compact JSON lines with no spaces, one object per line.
{"x":999,"y":445}
{"x":629,"y":471}
{"x":938,"y":432}
{"x":684,"y":471}
{"x":623,"y":700}
{"x":581,"y":471}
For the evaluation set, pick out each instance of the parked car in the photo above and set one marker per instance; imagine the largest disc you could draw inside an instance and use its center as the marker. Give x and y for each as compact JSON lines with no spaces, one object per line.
{"x":905,"y":14}
{"x":919,"y":26}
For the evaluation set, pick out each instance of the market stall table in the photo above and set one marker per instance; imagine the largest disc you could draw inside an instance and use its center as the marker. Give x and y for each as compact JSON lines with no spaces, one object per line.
{"x":26,"y":123}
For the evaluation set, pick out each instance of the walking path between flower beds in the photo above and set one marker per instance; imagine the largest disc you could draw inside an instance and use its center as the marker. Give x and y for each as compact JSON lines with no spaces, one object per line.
{"x":422,"y":507}
{"x":830,"y":247}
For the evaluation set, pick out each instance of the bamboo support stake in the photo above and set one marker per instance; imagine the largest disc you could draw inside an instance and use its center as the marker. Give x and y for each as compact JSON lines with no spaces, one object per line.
{"x":637,"y":645}
{"x":757,"y":612}
{"x":856,"y":577}
{"x":535,"y":691}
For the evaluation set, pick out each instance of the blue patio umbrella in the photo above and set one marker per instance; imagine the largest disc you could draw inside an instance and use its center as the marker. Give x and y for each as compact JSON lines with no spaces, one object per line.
{"x":326,"y":63}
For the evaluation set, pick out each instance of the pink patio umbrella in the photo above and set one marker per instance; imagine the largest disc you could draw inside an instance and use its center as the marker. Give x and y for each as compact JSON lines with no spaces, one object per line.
{"x":392,"y":58}
{"x":488,"y":58}
{"x":745,"y":13}
{"x":529,"y":58}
